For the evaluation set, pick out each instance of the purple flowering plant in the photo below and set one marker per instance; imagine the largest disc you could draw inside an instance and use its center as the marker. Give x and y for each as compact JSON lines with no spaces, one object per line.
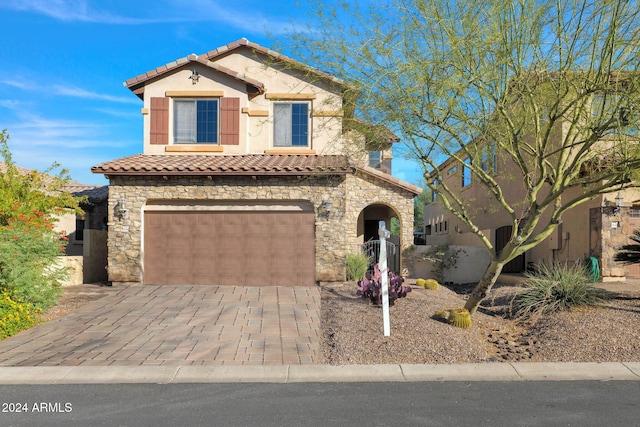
{"x":371,"y":287}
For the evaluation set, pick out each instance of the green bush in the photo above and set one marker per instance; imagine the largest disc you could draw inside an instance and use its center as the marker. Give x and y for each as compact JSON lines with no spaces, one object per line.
{"x":29,"y":268}
{"x":557,"y":288}
{"x":30,"y":205}
{"x":357,"y":265}
{"x":14,"y":316}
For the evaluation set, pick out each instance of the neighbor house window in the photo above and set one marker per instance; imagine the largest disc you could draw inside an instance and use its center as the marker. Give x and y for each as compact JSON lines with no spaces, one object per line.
{"x":375,"y":159}
{"x":489,"y":158}
{"x":195,"y":121}
{"x":466,"y":173}
{"x":291,"y":124}
{"x":434,"y":195}
{"x":607,"y":106}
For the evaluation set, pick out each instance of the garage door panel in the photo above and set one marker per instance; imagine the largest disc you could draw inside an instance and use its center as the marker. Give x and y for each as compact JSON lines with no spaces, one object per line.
{"x":230,"y":248}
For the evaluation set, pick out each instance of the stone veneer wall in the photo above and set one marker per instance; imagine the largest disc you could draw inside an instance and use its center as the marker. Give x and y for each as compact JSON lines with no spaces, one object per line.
{"x":368,"y":190}
{"x":612,"y":239}
{"x":335,"y":232}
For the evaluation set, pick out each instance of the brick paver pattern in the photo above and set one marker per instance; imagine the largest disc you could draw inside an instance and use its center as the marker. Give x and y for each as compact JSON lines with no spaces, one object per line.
{"x":178,"y":325}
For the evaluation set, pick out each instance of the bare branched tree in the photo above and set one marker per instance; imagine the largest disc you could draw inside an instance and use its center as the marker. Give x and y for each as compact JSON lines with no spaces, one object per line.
{"x":549,"y":87}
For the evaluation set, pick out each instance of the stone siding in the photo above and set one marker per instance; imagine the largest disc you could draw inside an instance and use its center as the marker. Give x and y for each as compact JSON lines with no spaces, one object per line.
{"x":366,"y":190}
{"x":612,"y":238}
{"x":335,"y":230}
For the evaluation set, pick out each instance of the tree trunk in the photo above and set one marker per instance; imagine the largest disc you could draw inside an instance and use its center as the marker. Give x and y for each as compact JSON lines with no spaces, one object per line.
{"x":484,"y":286}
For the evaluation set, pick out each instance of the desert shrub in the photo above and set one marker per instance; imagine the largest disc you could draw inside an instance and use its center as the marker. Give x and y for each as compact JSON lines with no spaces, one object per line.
{"x":30,"y":205}
{"x":559,"y":287}
{"x":444,"y":258}
{"x":15,"y":316}
{"x":357,"y":266}
{"x":371,"y":287}
{"x":28,"y":264}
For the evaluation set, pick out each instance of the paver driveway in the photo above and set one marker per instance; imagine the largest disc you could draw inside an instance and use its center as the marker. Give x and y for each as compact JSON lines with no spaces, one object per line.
{"x":178,"y":325}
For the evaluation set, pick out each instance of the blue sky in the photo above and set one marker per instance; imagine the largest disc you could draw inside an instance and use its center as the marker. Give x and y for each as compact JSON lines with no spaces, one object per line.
{"x":64,"y":61}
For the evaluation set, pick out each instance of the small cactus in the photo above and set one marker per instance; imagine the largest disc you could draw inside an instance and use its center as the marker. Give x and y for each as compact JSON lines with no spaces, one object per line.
{"x":460,"y":318}
{"x":420,"y":282}
{"x":431,"y":284}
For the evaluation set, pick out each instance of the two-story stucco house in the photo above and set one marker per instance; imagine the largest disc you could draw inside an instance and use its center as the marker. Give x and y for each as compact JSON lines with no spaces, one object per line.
{"x":248,"y":176}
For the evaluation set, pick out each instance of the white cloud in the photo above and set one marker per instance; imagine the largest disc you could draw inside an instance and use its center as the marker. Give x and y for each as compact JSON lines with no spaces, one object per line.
{"x":168,"y":11}
{"x":70,"y":90}
{"x":70,"y":10}
{"x":10,"y":104}
{"x":77,"y":92}
{"x":256,"y":21}
{"x":37,"y":142}
{"x":16,"y":84}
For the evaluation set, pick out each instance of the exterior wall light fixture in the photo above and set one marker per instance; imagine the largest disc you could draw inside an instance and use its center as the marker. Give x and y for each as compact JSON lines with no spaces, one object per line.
{"x":194,"y":76}
{"x":325,"y":208}
{"x":121,"y":209}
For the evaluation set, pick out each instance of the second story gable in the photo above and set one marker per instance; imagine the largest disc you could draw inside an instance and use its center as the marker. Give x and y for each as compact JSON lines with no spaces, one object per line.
{"x":240,"y":99}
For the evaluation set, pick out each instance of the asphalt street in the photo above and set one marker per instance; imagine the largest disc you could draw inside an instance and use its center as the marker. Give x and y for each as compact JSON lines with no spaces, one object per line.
{"x":509,"y":403}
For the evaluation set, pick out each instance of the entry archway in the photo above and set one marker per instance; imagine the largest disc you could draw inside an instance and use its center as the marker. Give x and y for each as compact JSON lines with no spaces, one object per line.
{"x":367,"y":232}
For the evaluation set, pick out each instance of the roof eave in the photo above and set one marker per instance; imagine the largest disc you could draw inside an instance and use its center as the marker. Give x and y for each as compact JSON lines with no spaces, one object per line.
{"x":137,"y":84}
{"x":390,"y":179}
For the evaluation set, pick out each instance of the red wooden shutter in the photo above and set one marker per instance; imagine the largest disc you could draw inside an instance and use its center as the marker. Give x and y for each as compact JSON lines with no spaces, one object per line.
{"x":229,"y":121}
{"x":159,"y":121}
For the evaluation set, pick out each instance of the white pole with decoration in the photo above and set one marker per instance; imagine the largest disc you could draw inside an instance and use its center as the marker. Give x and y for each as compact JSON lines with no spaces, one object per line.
{"x":382,"y":265}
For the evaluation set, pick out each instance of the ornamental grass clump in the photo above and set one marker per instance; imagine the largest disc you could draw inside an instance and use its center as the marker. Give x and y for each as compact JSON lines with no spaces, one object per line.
{"x":357,"y":265}
{"x":15,"y":316}
{"x":371,"y":287}
{"x":559,"y":287}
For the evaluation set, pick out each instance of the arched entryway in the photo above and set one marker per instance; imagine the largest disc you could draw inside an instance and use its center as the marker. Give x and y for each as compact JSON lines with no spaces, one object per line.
{"x":367,"y":233}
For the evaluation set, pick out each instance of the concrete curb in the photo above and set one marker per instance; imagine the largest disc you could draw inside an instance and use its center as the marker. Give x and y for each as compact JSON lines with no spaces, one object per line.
{"x":613,"y":371}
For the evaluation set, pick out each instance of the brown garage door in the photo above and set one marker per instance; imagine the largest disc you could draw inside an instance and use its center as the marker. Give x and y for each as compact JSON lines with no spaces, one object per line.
{"x":255,"y":248}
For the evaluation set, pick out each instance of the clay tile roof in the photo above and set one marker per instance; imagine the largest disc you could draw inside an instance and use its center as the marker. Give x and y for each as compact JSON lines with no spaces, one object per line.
{"x":94,"y":193}
{"x":253,"y":164}
{"x":136,"y":84}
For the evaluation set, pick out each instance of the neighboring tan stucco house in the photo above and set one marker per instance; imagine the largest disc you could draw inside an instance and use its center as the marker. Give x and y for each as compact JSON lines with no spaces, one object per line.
{"x":248,"y":176}
{"x":596,"y":228}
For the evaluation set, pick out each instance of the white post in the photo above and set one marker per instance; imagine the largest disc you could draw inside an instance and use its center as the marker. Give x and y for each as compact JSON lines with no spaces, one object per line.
{"x":382,"y":266}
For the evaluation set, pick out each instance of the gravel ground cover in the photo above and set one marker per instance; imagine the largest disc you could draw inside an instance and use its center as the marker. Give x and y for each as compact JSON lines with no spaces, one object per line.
{"x":352,"y":330}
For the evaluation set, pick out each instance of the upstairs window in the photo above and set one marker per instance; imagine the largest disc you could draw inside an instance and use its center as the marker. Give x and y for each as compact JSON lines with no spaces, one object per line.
{"x":375,"y":159}
{"x":608,"y":106}
{"x":489,"y":160}
{"x":434,"y":195}
{"x":466,"y":173}
{"x":195,"y":121}
{"x":291,"y":124}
